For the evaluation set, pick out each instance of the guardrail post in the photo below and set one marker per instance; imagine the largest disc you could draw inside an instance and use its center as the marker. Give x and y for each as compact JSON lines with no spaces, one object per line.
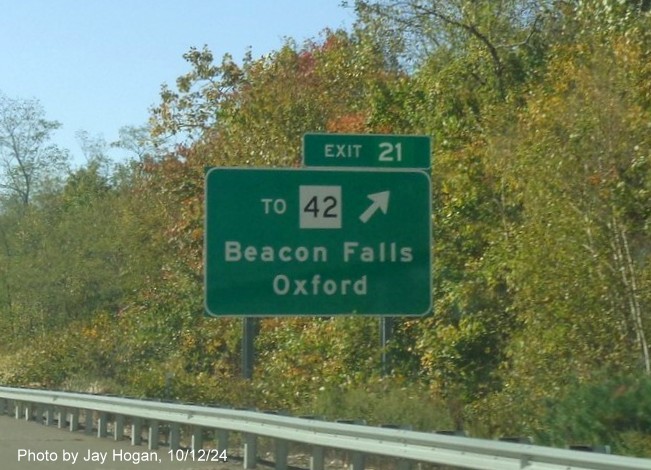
{"x":197,"y":438}
{"x":175,"y":436}
{"x":118,"y":428}
{"x":250,"y":451}
{"x":74,"y":419}
{"x":357,"y":461}
{"x":317,"y":458}
{"x":404,"y":464}
{"x":88,"y":421}
{"x":49,"y":416}
{"x":37,"y":413}
{"x":281,"y":453}
{"x":3,"y":406}
{"x":63,"y":414}
{"x":222,"y":439}
{"x":152,"y":436}
{"x":29,"y":409}
{"x":18,"y":410}
{"x":136,"y":431}
{"x":102,"y":428}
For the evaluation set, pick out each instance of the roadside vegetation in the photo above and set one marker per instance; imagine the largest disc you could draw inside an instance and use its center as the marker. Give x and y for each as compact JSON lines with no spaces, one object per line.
{"x":540,"y":115}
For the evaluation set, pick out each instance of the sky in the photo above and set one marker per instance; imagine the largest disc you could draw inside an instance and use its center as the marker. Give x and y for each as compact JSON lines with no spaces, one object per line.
{"x":98,"y":65}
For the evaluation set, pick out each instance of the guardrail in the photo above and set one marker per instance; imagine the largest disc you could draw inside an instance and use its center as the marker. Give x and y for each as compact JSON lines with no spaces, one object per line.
{"x":405,"y":447}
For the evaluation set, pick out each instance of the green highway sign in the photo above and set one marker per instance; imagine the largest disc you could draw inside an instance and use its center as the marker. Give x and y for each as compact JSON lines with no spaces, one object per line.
{"x":317,"y":242}
{"x":367,"y":150}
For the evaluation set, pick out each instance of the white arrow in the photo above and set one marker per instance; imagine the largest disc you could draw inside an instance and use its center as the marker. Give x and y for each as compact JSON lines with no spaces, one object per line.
{"x":380,"y":201}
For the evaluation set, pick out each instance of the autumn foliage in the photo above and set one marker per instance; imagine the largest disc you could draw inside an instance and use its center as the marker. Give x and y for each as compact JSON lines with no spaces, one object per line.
{"x":541,"y":173}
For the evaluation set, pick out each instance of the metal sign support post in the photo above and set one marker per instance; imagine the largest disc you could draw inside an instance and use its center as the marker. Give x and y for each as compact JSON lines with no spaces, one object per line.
{"x":386,"y":333}
{"x":249,"y":332}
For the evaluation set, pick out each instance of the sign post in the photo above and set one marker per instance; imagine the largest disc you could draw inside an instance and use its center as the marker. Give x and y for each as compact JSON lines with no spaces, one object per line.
{"x":317,"y":242}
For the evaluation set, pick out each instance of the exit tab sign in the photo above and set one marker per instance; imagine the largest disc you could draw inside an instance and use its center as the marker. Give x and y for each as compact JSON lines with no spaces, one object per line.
{"x":367,"y":150}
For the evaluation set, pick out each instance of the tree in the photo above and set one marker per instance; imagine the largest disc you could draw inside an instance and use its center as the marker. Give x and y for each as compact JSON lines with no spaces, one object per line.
{"x":192,"y":109}
{"x":27,"y":160}
{"x":574,"y":161}
{"x":497,"y":36}
{"x":139,"y":141}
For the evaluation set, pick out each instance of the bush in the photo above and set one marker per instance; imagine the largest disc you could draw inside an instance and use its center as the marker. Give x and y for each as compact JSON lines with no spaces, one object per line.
{"x":384,"y":401}
{"x":609,"y":410}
